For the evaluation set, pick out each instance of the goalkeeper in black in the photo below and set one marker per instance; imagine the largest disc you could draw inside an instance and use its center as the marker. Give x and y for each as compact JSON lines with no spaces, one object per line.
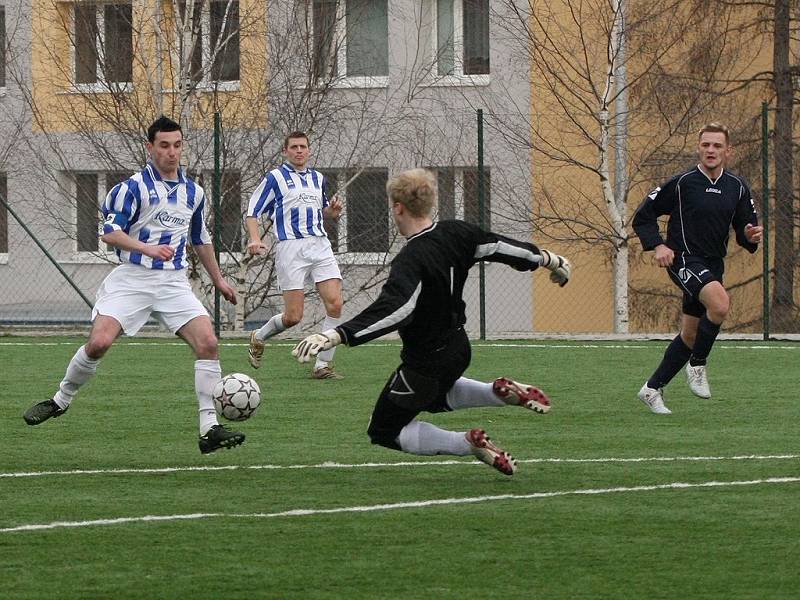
{"x":703,"y":204}
{"x":422,"y":299}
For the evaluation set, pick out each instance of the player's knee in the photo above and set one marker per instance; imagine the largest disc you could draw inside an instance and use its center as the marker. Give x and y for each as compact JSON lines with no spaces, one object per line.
{"x":290,"y":319}
{"x":718,"y":310}
{"x":334,"y":308}
{"x":207,"y":347}
{"x":383,"y":437}
{"x":98,"y":345}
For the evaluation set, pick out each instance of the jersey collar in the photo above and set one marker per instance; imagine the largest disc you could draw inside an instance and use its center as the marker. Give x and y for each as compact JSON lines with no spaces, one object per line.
{"x":428,"y":229}
{"x":151,"y":168}
{"x":713,"y":181}
{"x":291,"y":169}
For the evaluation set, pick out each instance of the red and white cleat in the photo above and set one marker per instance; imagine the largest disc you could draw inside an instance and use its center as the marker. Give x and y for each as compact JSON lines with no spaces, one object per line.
{"x":486,"y":451}
{"x":521,"y":394}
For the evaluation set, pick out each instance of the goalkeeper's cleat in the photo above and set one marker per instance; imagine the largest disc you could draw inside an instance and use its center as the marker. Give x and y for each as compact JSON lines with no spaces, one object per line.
{"x":698,"y":380}
{"x":521,"y":394}
{"x":219,"y":437}
{"x":41,"y":411}
{"x":489,"y":453}
{"x":654,"y":399}
{"x":255,"y":351}
{"x":325,"y":372}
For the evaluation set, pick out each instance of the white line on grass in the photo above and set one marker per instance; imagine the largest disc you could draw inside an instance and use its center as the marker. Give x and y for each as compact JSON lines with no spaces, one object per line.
{"x":372,"y":465}
{"x":303,"y":512}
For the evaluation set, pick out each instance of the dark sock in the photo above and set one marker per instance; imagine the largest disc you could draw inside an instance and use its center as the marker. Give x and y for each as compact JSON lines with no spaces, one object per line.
{"x":706,"y":335}
{"x":675,"y":356}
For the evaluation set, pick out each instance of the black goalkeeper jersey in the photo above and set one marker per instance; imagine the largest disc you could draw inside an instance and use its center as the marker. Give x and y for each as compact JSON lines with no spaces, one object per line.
{"x":422,"y":295}
{"x":701,"y":213}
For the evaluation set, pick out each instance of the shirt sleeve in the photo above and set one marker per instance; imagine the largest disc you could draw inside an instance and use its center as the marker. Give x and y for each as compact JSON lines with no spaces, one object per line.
{"x":119,"y":207}
{"x":263,"y":198}
{"x":493,"y":247}
{"x":391,"y":310}
{"x":745,"y":214}
{"x":198,"y":234}
{"x":657,"y":203}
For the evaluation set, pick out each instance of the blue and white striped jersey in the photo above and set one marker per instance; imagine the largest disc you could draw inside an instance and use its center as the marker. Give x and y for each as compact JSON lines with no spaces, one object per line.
{"x":157,"y":212}
{"x":293,"y":200}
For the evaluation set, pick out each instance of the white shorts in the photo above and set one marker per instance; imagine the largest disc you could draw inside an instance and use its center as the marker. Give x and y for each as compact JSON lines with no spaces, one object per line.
{"x":131,"y":293}
{"x":307,"y":259}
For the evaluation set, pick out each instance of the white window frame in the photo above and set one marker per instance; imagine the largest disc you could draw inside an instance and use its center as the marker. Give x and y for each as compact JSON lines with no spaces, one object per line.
{"x":207,"y":84}
{"x":5,"y":54}
{"x":102,"y":255}
{"x":342,"y":79}
{"x":458,"y":78}
{"x":99,"y":86}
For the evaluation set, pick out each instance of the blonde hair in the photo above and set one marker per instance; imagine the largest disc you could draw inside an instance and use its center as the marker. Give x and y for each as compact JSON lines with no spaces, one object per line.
{"x":715,"y":127}
{"x":415,"y":189}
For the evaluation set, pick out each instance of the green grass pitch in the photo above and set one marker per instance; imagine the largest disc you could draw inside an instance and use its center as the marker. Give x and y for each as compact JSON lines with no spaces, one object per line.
{"x":610,"y":501}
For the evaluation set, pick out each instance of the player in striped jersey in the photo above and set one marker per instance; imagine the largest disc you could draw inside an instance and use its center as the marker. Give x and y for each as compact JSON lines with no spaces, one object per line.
{"x":150,"y":219}
{"x":294,"y":198}
{"x":703,"y":205}
{"x":422,"y":299}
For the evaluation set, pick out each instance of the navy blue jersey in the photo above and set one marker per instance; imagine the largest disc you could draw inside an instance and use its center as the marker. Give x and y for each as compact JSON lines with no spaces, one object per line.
{"x":701,"y":213}
{"x":422,"y":297}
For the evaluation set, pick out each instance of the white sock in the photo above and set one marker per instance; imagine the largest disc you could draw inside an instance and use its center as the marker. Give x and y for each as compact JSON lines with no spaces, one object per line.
{"x":419,"y":437}
{"x":272,"y":327}
{"x":206,"y":375}
{"x":468,"y":393}
{"x":80,"y":370}
{"x":323,"y":358}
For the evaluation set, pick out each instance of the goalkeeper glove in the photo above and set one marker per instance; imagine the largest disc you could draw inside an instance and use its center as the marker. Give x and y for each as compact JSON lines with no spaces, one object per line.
{"x":560,"y":269}
{"x":316,"y":343}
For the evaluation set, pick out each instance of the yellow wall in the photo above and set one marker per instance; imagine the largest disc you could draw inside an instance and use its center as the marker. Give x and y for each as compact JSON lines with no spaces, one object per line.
{"x":586,"y":304}
{"x":60,"y":107}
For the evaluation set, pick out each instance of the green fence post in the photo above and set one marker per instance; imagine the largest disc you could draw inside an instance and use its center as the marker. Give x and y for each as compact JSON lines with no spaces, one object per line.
{"x":217,"y":213}
{"x":482,"y":223}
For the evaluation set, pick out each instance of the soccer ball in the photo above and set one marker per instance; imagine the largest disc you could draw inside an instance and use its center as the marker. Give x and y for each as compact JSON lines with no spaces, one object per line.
{"x":236,"y":397}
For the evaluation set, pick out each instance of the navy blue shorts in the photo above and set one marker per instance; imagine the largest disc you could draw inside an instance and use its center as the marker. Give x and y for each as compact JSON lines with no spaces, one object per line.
{"x":691,"y":274}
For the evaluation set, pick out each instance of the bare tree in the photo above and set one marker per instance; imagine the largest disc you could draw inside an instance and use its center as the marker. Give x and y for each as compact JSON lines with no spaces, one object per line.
{"x":584,"y":111}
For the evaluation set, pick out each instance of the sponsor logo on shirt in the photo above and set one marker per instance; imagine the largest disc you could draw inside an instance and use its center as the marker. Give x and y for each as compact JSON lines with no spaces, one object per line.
{"x":714,"y":190}
{"x":168,"y":220}
{"x":307,"y":198}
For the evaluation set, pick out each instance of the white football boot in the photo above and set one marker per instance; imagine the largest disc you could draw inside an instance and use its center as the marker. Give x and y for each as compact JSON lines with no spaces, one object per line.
{"x":488,"y":452}
{"x":654,"y":399}
{"x":698,"y":380}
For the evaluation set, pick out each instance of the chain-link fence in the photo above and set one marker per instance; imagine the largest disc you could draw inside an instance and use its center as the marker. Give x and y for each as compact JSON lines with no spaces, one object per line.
{"x":35,"y":293}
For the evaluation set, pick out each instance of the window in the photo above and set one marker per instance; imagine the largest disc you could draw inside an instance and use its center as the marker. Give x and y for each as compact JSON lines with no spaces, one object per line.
{"x":459,"y":198}
{"x":214,"y":56}
{"x":462,"y":37}
{"x":368,"y":213}
{"x":90,"y":191}
{"x":331,"y":225}
{"x":2,"y":46}
{"x":351,"y":39}
{"x":3,"y":215}
{"x":103,"y":43}
{"x":230,"y":207}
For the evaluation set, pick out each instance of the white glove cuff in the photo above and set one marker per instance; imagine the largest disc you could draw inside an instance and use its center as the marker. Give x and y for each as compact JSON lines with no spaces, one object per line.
{"x":549,"y":260}
{"x":333,"y":336}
